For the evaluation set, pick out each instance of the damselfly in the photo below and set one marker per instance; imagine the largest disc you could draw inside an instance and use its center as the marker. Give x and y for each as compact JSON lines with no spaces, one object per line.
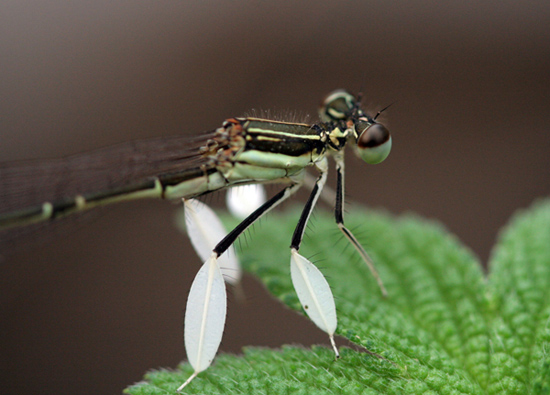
{"x":242,"y":151}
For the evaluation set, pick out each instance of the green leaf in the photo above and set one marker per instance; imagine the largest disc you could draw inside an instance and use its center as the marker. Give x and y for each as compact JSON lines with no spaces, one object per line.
{"x":444,"y":329}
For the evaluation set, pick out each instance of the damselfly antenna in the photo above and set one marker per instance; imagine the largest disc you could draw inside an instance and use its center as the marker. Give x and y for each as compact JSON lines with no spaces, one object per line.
{"x":359,"y":98}
{"x":382,"y":110}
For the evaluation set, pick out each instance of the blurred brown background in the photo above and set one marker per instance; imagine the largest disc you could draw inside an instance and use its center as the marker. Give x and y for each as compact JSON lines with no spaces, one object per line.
{"x":93,"y":310}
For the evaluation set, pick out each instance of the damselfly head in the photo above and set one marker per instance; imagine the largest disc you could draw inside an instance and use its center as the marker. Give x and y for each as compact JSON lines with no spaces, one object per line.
{"x":373,"y":141}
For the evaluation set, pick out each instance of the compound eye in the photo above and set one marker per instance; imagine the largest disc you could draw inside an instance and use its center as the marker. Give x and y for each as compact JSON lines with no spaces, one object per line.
{"x":338,"y":105}
{"x":374,"y":144}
